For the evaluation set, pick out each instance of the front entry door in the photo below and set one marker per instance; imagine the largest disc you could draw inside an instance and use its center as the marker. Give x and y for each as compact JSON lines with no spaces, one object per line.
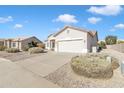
{"x":52,"y":44}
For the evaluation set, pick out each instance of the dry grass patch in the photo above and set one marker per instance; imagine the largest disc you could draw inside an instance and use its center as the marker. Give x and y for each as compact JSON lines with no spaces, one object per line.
{"x":12,"y":50}
{"x":2,"y":48}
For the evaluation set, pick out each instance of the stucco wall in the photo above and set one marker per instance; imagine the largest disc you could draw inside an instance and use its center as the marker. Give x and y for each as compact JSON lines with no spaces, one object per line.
{"x":47,"y":43}
{"x":8,"y":42}
{"x":94,"y":41}
{"x":1,"y":43}
{"x":71,"y":34}
{"x":91,"y":41}
{"x":17,"y":44}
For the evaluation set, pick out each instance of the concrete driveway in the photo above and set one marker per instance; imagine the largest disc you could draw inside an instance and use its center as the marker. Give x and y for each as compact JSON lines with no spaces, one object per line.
{"x":30,"y":72}
{"x":12,"y":75}
{"x":46,"y":63}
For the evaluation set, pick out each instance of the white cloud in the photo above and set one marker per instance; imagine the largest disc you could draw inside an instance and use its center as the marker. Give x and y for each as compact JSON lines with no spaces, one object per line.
{"x":106,"y":10}
{"x":94,"y":20}
{"x":119,"y":26}
{"x":18,"y":26}
{"x":6,"y":19}
{"x":66,"y":18}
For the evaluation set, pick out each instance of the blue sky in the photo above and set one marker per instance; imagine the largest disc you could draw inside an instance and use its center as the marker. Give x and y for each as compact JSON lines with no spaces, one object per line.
{"x":42,"y":20}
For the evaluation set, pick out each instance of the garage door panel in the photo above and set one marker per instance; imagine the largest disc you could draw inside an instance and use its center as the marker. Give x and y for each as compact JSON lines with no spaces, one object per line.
{"x":70,"y":46}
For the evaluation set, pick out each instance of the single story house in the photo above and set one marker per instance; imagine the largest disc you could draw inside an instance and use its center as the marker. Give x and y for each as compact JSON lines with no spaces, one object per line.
{"x":20,"y":42}
{"x":1,"y":42}
{"x":72,"y":39}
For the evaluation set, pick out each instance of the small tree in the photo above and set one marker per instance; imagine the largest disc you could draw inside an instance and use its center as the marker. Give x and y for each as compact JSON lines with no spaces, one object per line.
{"x":102,"y":45}
{"x":110,"y":40}
{"x":32,"y":44}
{"x":41,"y":45}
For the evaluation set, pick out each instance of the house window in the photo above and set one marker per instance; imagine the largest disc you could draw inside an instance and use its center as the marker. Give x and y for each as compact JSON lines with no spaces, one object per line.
{"x":68,"y":31}
{"x":14,"y":44}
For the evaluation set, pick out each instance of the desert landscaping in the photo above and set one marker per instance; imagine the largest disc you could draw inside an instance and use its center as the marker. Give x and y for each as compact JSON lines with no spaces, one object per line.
{"x":60,"y":74}
{"x":37,"y":66}
{"x":66,"y":77}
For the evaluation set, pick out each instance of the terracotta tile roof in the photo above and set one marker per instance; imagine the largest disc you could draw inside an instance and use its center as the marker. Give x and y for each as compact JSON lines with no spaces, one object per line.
{"x":18,"y":38}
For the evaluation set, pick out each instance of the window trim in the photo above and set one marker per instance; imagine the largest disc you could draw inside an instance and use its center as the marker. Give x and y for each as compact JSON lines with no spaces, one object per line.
{"x":13,"y":44}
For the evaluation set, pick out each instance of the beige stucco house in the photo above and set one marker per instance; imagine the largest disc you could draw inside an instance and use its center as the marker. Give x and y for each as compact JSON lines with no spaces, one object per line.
{"x":72,"y":39}
{"x":1,"y":42}
{"x":20,"y":42}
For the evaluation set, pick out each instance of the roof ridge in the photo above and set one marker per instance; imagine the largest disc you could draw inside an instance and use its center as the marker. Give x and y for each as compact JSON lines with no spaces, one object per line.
{"x":91,"y":32}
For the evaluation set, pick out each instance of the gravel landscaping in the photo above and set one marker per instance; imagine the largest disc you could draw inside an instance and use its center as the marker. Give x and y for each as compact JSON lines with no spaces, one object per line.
{"x":66,"y":78}
{"x":17,"y":56}
{"x":93,"y":65}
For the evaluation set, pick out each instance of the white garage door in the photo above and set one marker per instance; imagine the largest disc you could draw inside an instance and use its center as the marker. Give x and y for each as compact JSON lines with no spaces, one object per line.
{"x":75,"y":46}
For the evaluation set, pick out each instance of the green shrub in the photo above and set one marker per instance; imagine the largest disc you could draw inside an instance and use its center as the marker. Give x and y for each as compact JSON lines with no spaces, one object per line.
{"x":35,"y":50}
{"x":2,"y":48}
{"x":12,"y":50}
{"x":110,"y":40}
{"x":92,"y":66}
{"x":32,"y":44}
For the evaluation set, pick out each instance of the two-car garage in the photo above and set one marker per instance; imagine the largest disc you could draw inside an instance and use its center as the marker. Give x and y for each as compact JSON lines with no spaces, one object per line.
{"x":72,"y":46}
{"x":73,"y":40}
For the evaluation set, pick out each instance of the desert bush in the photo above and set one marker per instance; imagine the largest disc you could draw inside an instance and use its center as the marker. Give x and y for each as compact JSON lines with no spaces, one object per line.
{"x":2,"y":48}
{"x":115,"y":63}
{"x":35,"y":50}
{"x":94,"y":66}
{"x":41,"y":45}
{"x":25,"y":48}
{"x":102,"y":45}
{"x":110,"y":40}
{"x":12,"y":50}
{"x":32,"y":44}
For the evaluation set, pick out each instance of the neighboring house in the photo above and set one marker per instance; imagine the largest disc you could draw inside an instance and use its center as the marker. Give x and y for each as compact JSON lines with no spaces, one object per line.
{"x":72,"y":39}
{"x":1,"y":42}
{"x":19,"y":43}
